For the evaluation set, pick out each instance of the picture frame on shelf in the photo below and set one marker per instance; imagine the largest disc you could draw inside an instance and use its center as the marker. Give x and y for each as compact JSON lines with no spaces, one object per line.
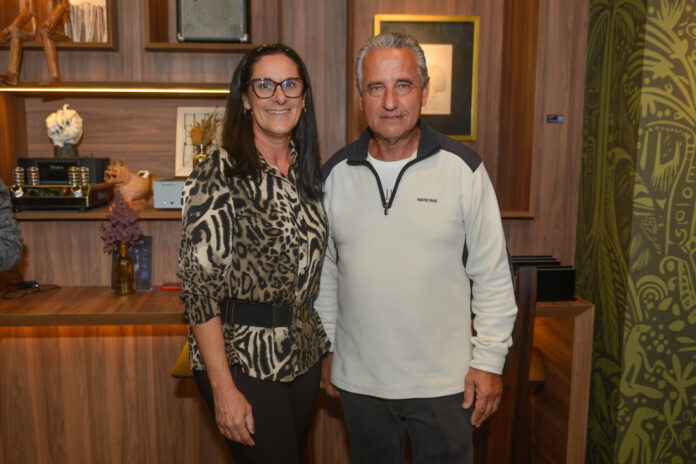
{"x":186,"y":117}
{"x":451,"y":47}
{"x":93,"y":22}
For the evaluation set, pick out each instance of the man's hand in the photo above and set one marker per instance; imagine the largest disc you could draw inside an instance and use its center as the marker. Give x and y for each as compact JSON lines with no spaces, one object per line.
{"x":486,"y":389}
{"x":233,"y":416}
{"x":325,"y":383}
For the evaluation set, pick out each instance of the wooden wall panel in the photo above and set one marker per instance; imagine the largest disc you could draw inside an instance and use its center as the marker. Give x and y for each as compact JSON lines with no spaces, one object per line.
{"x":100,"y":394}
{"x":557,"y":147}
{"x":550,"y":406}
{"x":317,"y":31}
{"x":71,"y":254}
{"x":513,"y":180}
{"x":13,"y":141}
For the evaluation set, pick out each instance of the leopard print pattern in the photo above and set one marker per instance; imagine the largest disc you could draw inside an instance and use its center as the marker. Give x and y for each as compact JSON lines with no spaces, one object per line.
{"x":257,"y":242}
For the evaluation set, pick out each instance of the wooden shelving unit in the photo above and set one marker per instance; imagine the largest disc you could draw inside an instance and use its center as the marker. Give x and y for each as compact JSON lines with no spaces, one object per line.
{"x":79,"y":306}
{"x":160,"y":28}
{"x":96,"y":214}
{"x":119,"y":89}
{"x":128,"y":101}
{"x":83,"y":46}
{"x":9,"y":9}
{"x":199,"y":47}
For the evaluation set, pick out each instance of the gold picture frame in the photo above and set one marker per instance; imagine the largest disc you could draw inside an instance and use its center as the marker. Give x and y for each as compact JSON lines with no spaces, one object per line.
{"x":451,"y":46}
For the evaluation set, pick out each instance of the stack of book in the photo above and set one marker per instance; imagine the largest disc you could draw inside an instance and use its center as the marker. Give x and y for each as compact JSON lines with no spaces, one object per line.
{"x":555,"y":282}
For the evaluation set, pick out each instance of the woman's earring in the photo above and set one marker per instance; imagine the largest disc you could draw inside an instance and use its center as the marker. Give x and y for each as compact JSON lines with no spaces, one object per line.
{"x":246,"y":112}
{"x":304,"y":108}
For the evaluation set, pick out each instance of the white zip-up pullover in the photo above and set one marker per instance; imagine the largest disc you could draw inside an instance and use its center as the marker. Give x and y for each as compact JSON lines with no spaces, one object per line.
{"x":395,"y":294}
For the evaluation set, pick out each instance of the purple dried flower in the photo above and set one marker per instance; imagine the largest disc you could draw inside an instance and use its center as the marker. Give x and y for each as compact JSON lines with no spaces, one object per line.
{"x":122,"y":226}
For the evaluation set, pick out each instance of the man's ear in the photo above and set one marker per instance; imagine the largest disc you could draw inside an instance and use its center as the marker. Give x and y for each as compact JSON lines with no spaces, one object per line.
{"x":426,"y":92}
{"x":360,"y":102}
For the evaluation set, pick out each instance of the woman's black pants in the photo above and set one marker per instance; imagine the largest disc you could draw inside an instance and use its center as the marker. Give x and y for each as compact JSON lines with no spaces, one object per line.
{"x":282,"y":412}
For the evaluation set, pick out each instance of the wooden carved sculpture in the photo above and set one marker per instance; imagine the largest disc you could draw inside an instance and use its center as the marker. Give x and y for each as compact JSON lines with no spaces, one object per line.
{"x":136,"y":188}
{"x":14,"y":33}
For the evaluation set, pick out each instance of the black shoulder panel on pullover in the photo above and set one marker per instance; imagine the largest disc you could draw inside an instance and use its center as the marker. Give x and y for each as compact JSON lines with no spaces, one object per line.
{"x":469,"y":156}
{"x":356,"y":150}
{"x":339,"y":156}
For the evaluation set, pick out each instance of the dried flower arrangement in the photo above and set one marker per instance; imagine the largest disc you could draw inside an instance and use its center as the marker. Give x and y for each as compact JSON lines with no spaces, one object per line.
{"x":203,"y":132}
{"x":122,"y":226}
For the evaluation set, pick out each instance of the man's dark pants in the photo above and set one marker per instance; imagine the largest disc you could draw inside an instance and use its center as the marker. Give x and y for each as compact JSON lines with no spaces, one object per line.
{"x":439,"y":429}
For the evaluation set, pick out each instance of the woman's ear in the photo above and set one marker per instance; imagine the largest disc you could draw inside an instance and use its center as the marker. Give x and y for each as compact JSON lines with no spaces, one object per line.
{"x":245,"y":101}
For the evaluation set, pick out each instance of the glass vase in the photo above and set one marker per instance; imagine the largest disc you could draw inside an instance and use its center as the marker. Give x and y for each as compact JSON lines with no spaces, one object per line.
{"x":199,"y":156}
{"x":124,"y":278}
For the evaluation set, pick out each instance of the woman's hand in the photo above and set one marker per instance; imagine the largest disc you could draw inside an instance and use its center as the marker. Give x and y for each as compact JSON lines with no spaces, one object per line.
{"x":233,"y":416}
{"x":232,"y":410}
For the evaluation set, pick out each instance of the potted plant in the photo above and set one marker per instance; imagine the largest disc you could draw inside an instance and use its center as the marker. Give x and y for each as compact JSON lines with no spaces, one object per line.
{"x":120,"y":232}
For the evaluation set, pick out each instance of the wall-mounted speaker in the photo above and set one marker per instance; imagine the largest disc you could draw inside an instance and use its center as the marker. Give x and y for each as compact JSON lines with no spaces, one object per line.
{"x":212,"y":21}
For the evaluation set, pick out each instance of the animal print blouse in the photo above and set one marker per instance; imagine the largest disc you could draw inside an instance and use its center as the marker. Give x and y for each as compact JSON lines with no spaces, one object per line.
{"x":257,"y":242}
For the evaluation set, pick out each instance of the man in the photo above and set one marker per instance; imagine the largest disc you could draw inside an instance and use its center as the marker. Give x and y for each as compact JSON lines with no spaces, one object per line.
{"x":10,"y":235}
{"x":412,"y":219}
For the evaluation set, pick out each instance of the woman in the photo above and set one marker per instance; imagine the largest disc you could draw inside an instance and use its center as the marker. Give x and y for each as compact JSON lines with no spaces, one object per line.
{"x":253,"y":239}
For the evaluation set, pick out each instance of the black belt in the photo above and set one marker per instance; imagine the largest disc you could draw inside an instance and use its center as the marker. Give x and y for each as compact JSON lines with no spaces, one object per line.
{"x":262,"y":314}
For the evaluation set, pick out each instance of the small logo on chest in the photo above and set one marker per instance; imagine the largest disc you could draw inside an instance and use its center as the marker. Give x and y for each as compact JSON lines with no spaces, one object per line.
{"x":427,"y":200}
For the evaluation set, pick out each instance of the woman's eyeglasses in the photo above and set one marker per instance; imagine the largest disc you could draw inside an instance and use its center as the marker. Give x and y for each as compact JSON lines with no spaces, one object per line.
{"x":265,"y":88}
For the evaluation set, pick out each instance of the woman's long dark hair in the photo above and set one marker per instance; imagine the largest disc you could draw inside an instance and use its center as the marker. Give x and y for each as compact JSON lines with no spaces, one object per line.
{"x":238,"y":133}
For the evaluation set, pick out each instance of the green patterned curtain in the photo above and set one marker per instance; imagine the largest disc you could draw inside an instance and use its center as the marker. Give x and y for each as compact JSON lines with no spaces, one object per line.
{"x":636,"y":248}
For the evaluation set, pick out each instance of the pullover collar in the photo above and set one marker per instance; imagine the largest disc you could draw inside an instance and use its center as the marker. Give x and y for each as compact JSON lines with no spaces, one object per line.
{"x":426,"y":145}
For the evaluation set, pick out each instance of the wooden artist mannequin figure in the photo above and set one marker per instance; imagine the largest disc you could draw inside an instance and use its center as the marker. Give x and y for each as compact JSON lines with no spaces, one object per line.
{"x":15,"y":34}
{"x":49,"y":35}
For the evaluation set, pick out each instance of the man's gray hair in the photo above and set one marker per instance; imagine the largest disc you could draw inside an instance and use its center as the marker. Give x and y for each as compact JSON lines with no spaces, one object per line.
{"x":391,"y":40}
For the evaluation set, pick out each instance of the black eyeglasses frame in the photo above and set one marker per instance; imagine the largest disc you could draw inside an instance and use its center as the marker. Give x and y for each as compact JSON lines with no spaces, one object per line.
{"x":276,"y":84}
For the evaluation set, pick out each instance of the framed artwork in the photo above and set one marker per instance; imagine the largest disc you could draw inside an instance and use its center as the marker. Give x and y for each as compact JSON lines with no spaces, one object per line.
{"x":451,"y":45}
{"x":93,"y":22}
{"x":186,"y":117}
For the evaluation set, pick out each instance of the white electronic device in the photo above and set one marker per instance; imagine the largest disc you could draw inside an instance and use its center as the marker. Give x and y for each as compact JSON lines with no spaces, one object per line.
{"x":167,"y":193}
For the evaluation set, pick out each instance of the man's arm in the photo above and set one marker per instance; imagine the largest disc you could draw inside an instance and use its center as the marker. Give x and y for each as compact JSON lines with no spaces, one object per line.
{"x":327,"y":307}
{"x":493,"y":303}
{"x":326,"y":303}
{"x":10,"y":234}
